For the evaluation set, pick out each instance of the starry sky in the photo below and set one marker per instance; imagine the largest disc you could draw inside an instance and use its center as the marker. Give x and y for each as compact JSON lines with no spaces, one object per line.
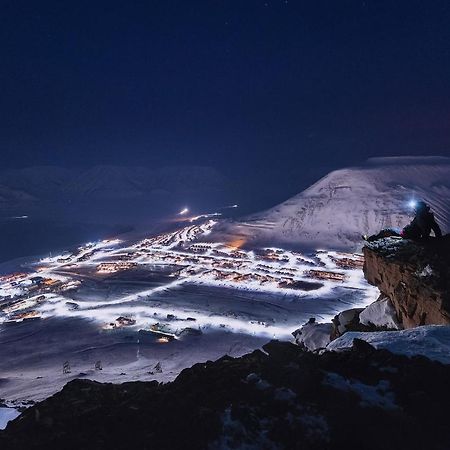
{"x":251,"y":87}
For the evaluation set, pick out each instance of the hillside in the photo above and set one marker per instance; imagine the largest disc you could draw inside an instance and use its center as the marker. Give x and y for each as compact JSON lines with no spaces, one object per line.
{"x":279,"y":398}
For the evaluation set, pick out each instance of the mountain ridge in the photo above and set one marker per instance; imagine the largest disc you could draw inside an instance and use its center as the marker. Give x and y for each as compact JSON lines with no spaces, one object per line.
{"x":347,"y":203}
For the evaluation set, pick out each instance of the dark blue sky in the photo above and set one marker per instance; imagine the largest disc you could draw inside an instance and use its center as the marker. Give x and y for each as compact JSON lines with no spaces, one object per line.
{"x":254,"y":86}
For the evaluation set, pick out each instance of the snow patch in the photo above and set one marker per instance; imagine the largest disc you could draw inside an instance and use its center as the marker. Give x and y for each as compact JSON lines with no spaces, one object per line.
{"x":431,"y":341}
{"x":236,"y":435}
{"x":257,"y":381}
{"x":313,"y":335}
{"x":6,"y":415}
{"x":380,"y":314}
{"x":426,"y":272}
{"x":284,"y":394}
{"x":346,"y":317}
{"x":378,"y":395}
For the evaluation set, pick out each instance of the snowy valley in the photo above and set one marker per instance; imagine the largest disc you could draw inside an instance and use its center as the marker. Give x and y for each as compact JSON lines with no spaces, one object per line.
{"x":146,"y":308}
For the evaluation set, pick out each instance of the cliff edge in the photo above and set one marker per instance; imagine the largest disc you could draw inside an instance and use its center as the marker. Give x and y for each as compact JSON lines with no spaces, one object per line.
{"x":414,"y":275}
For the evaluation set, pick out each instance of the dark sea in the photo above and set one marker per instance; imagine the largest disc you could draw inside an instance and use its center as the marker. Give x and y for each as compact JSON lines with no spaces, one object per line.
{"x":22,"y":237}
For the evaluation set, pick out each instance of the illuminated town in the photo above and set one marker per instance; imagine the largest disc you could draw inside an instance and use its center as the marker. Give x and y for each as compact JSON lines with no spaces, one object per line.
{"x":57,"y":285}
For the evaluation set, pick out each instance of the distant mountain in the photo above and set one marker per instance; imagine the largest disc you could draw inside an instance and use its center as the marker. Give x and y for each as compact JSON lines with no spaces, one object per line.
{"x":106,"y":182}
{"x":9,"y":195}
{"x":36,"y":181}
{"x":125,"y":194}
{"x":339,"y":208}
{"x":109,"y":180}
{"x":333,"y":213}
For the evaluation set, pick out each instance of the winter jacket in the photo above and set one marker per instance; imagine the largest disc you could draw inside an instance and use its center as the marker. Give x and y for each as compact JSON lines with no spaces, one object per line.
{"x":421,"y":226}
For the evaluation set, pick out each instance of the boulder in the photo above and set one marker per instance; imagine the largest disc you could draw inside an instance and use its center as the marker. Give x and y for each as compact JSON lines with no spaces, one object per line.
{"x":347,"y":320}
{"x":380,"y":314}
{"x":312,"y":335}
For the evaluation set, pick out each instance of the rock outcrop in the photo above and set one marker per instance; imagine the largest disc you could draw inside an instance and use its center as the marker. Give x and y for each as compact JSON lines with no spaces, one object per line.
{"x":282,"y":397}
{"x":347,"y":320}
{"x":415,"y":276}
{"x":380,"y":314}
{"x":313,"y":335}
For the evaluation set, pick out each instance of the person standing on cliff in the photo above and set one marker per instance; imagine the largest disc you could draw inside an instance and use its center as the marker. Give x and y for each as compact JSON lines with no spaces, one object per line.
{"x":420,"y":227}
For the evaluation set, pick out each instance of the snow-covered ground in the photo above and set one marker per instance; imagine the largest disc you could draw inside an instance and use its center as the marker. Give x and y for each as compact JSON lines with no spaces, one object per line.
{"x":381,"y":314}
{"x":194,"y":300}
{"x":7,"y":414}
{"x":378,"y":395}
{"x":117,"y":311}
{"x":432,"y":341}
{"x":33,"y":362}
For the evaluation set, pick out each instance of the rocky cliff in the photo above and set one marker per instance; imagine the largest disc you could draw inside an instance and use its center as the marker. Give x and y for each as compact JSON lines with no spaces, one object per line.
{"x":414,"y":275}
{"x":279,"y":398}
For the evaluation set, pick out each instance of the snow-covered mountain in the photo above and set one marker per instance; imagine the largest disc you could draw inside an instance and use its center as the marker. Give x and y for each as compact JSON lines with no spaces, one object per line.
{"x":339,"y":208}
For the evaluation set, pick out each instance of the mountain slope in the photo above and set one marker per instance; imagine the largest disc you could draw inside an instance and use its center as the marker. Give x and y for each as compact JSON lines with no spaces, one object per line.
{"x":282,"y":398}
{"x":347,"y":203}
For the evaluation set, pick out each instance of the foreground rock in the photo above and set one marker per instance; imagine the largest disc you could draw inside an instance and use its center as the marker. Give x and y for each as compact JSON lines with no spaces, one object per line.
{"x":415,"y":276}
{"x":378,"y":316}
{"x":313,"y":335}
{"x":283,"y":398}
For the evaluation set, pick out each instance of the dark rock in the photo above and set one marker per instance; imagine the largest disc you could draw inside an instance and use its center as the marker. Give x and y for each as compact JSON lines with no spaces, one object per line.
{"x":414,"y":275}
{"x":185,"y":332}
{"x":362,"y":347}
{"x":281,"y":397}
{"x":347,"y":320}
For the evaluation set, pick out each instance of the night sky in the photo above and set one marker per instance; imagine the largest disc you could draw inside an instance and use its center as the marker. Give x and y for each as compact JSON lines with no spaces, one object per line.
{"x":247,"y":86}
